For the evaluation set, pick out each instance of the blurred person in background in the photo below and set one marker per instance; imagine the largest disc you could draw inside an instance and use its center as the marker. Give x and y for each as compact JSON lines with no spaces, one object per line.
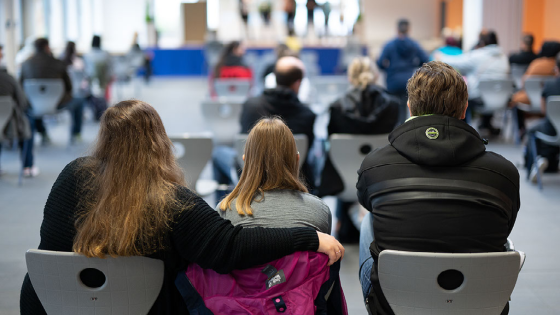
{"x":525,"y":55}
{"x":231,"y":64}
{"x":548,"y":156}
{"x":311,"y":5}
{"x":290,"y":10}
{"x":98,"y":66}
{"x":452,"y":46}
{"x":42,"y":65}
{"x":365,"y":109}
{"x":20,"y":125}
{"x":399,"y":59}
{"x":544,"y":65}
{"x":244,"y":12}
{"x":26,"y":51}
{"x":270,"y":192}
{"x":293,"y":42}
{"x":486,"y":62}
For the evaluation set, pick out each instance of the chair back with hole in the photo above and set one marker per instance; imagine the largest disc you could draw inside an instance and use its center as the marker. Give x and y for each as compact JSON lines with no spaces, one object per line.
{"x":223,"y":119}
{"x":6,"y":112}
{"x":301,"y":145}
{"x":534,"y":86}
{"x":44,"y":95}
{"x":192,"y":152}
{"x":236,"y":89}
{"x":347,"y":153}
{"x":517,"y":72}
{"x":438,"y":283}
{"x":495,"y":93}
{"x":70,"y":283}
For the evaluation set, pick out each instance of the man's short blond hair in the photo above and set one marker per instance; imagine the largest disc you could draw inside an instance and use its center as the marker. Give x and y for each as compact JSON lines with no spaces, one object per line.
{"x":437,"y":88}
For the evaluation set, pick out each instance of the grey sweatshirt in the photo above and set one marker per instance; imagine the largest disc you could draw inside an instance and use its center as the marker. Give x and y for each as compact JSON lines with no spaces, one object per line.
{"x":284,"y":208}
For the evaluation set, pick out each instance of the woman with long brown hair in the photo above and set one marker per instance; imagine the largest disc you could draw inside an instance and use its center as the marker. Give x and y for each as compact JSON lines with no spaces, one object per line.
{"x":270,"y":192}
{"x":128,"y":198}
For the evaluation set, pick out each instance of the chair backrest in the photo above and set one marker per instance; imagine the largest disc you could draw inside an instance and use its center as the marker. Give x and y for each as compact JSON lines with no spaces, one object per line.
{"x":70,"y":283}
{"x":534,"y":86}
{"x":223,"y":119}
{"x":301,"y":144}
{"x":329,"y":88}
{"x":192,"y":152}
{"x":347,"y":153}
{"x":237,"y":89}
{"x":552,"y":111}
{"x":44,"y":95}
{"x":6,"y":112}
{"x":517,"y":72}
{"x":438,"y":283}
{"x":495,"y":93}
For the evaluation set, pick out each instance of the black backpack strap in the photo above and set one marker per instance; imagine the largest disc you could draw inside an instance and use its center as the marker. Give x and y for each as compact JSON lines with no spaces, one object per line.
{"x":193,"y":300}
{"x":329,"y":300}
{"x":279,"y":304}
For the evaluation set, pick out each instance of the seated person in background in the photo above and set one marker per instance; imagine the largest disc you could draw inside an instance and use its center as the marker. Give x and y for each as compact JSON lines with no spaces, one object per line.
{"x":544,"y":65}
{"x":281,"y":101}
{"x":140,"y":189}
{"x":547,"y":155}
{"x":451,"y":47}
{"x":42,"y":65}
{"x":304,"y":89}
{"x":365,"y":109}
{"x":270,"y":192}
{"x":486,"y":62}
{"x":526,"y":55}
{"x":99,"y":66}
{"x":435,"y":188}
{"x":20,"y":125}
{"x":231,"y":64}
{"x":281,"y":51}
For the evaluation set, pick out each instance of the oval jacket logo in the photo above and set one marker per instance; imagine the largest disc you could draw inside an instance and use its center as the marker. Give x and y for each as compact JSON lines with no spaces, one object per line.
{"x":432,"y":133}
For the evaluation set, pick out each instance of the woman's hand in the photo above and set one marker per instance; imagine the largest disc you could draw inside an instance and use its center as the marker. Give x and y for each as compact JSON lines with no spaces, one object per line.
{"x":330,"y":246}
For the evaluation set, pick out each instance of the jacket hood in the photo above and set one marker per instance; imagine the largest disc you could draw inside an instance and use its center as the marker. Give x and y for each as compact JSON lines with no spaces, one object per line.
{"x":281,"y":97}
{"x":437,"y":141}
{"x":405,"y":47}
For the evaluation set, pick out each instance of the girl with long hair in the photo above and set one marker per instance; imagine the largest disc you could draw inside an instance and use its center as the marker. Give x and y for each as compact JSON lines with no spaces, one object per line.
{"x":230,"y":64}
{"x":270,"y":192}
{"x":128,"y":198}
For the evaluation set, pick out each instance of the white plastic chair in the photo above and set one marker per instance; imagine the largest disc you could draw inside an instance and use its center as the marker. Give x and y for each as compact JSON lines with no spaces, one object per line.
{"x":329,"y":88}
{"x":6,"y":112}
{"x":495,"y":94}
{"x":301,"y":145}
{"x":553,"y":114}
{"x":347,"y":153}
{"x":417,"y":283}
{"x":44,"y":95}
{"x":223,"y":119}
{"x":534,"y":86}
{"x":517,"y":72}
{"x":120,"y":285}
{"x":232,"y":89}
{"x":193,"y":152}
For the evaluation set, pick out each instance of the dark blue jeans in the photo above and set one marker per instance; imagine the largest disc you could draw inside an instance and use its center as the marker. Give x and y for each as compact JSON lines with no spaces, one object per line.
{"x":26,"y":146}
{"x":366,"y":261}
{"x":76,"y":108}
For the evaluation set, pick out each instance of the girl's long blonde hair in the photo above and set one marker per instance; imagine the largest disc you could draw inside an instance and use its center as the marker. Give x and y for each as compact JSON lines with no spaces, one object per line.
{"x":129,"y":186}
{"x":271,"y":162}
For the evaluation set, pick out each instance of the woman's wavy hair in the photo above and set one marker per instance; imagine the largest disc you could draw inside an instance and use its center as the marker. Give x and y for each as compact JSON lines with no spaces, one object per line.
{"x":362,"y":72}
{"x":271,"y":162}
{"x":129,"y":185}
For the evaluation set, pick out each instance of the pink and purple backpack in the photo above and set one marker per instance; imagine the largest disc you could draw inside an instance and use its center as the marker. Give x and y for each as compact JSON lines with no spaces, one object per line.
{"x":300,"y":283}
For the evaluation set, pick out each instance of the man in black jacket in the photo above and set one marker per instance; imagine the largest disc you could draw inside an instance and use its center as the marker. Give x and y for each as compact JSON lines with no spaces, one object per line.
{"x":42,"y":65}
{"x":281,"y":101}
{"x":526,"y":55}
{"x":435,"y":188}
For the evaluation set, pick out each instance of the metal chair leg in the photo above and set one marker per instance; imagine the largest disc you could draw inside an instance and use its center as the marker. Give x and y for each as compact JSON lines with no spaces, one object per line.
{"x":533,"y":141}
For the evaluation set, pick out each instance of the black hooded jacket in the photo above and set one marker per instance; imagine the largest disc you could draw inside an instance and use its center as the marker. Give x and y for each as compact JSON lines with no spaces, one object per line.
{"x":435,"y":188}
{"x":282,"y":102}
